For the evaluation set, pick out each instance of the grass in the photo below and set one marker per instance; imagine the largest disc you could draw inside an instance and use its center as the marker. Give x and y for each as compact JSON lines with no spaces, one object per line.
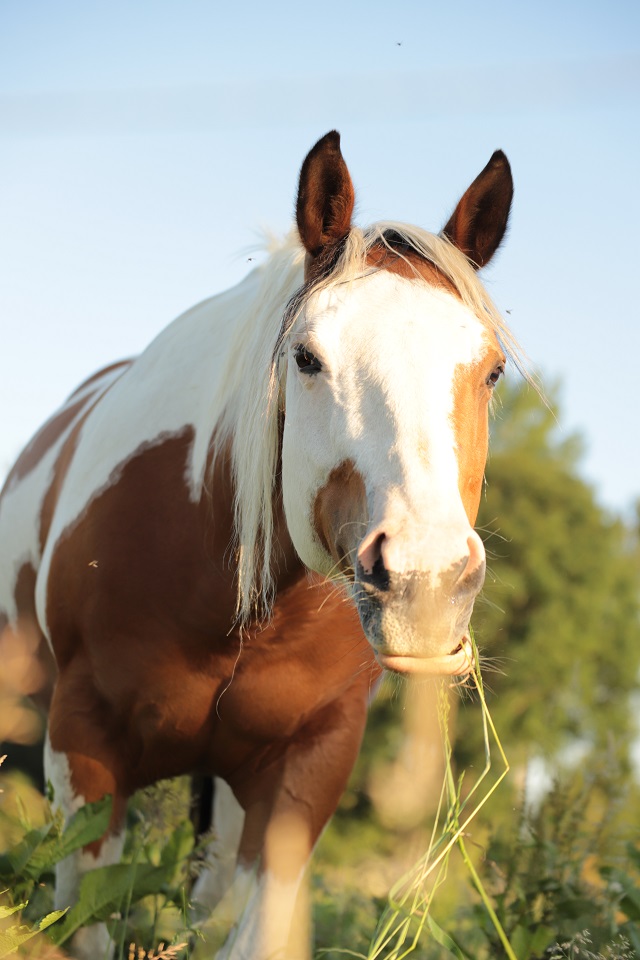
{"x":408,"y":913}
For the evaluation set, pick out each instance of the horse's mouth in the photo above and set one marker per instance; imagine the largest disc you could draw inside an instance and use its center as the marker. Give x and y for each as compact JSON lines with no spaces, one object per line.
{"x":458,"y":663}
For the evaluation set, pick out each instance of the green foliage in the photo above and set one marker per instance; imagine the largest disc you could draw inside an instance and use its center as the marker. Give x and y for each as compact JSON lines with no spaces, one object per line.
{"x":16,"y":935}
{"x":560,"y":881}
{"x":34,"y":858}
{"x":560,"y":621}
{"x":154,"y":871}
{"x":343,"y":920}
{"x":545,"y":873}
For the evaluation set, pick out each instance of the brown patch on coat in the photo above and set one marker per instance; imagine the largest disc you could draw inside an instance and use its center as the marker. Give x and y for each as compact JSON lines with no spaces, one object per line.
{"x":408,"y":263}
{"x":470,"y":417}
{"x":121,"y":365}
{"x":42,"y":442}
{"x":27,"y":621}
{"x":67,"y":451}
{"x":59,"y":473}
{"x":340,"y":515}
{"x":154,"y":678}
{"x":47,"y":436}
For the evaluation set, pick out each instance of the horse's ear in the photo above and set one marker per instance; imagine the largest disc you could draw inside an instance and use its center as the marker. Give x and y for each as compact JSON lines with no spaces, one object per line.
{"x":478,"y":223}
{"x":325,"y":196}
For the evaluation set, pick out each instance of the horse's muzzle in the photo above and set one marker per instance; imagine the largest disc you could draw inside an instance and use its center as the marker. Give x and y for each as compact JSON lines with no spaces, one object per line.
{"x":418,"y":621}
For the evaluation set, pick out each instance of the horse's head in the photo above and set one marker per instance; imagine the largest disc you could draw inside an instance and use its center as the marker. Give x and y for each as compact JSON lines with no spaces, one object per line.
{"x":392,"y":357}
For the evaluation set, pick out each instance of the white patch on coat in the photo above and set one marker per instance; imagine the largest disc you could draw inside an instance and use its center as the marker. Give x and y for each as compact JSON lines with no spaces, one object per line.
{"x":92,"y":941}
{"x":265,"y":908}
{"x":384,"y":399}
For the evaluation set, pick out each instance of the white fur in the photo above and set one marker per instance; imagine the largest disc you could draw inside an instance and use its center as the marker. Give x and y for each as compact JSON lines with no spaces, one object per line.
{"x":265,"y":907}
{"x":384,"y":400}
{"x":93,"y":941}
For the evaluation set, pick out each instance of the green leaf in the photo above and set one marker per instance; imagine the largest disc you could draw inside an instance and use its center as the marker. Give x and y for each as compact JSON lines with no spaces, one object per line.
{"x":18,"y":860}
{"x":445,"y":940}
{"x":174,"y":855}
{"x":108,"y":890}
{"x":179,"y":846}
{"x":633,"y":853}
{"x":9,"y":911}
{"x":89,"y":823}
{"x":530,"y":943}
{"x":629,"y":901}
{"x":15,"y":936}
{"x":41,"y":848}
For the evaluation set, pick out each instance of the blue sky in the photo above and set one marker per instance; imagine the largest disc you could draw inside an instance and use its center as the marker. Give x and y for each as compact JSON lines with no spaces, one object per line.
{"x":144,"y":145}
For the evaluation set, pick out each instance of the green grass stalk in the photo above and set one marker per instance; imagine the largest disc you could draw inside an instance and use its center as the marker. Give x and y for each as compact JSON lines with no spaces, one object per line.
{"x":411,"y":898}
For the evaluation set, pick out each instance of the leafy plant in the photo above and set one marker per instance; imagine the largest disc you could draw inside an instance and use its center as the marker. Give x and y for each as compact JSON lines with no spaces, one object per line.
{"x":15,"y":935}
{"x":105,"y":894}
{"x":34,"y":858}
{"x":546,"y":889}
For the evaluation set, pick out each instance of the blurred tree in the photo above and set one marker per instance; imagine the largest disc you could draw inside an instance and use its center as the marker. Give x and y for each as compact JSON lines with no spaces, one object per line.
{"x":560,"y":621}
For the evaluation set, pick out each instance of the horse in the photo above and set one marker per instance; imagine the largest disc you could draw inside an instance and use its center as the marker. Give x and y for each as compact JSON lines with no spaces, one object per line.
{"x":225,"y":541}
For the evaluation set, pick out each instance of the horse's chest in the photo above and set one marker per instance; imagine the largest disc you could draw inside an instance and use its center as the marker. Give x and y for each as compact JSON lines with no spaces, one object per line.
{"x":274,"y":702}
{"x":286,"y":676}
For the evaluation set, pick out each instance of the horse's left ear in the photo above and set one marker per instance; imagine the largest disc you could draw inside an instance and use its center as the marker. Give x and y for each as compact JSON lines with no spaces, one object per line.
{"x":478,"y":223}
{"x":325,"y":196}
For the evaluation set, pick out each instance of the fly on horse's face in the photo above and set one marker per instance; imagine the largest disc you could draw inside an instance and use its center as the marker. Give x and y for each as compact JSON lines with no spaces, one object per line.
{"x":388,"y":383}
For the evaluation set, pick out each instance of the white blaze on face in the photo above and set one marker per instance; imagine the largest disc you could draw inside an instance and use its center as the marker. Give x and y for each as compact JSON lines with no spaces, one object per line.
{"x":390,"y":349}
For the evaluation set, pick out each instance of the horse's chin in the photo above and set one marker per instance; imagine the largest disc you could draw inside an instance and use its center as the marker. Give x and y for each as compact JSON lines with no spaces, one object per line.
{"x":458,"y":663}
{"x":433,"y":644}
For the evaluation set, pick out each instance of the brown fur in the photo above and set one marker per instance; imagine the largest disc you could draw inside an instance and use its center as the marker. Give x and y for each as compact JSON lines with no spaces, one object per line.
{"x":325,"y":196}
{"x":43,"y":441}
{"x":471,"y":428}
{"x":479,"y":221}
{"x":158,"y":685}
{"x":340,"y":515}
{"x":408,"y":264}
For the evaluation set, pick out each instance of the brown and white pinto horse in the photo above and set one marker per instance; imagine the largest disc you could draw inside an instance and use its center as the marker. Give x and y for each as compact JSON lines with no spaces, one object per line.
{"x":327,"y":415}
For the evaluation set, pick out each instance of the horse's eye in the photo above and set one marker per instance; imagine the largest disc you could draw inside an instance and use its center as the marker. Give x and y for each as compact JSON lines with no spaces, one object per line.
{"x":306,"y":361}
{"x":495,"y":376}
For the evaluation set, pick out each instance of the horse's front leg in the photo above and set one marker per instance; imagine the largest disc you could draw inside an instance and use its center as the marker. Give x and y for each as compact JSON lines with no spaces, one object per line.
{"x":288,"y":803}
{"x":78,"y":766}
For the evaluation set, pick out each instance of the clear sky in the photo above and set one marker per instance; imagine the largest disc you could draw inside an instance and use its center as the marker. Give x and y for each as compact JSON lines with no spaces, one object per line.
{"x":144,"y":144}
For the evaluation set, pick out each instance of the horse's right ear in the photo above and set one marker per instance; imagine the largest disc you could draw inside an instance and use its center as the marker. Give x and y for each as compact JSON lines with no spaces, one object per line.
{"x":325,"y":196}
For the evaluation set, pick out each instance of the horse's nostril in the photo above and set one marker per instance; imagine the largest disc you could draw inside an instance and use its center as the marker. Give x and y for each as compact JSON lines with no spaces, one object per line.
{"x":370,"y":551}
{"x":377,"y":576}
